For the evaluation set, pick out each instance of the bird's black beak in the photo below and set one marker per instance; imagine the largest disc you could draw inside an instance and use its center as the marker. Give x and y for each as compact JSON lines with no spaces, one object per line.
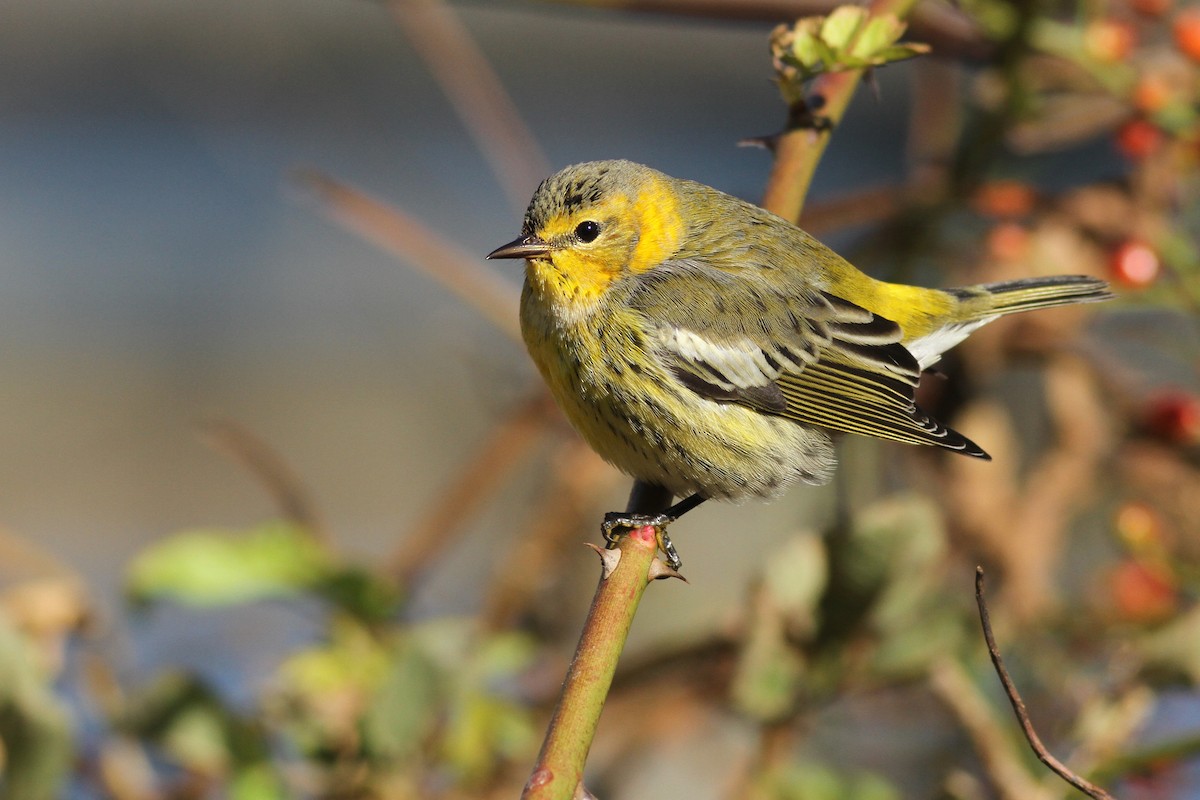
{"x":522,"y":247}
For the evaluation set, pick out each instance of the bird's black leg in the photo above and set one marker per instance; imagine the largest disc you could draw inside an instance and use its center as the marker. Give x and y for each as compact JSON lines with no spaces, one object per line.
{"x":685,"y":505}
{"x":626,"y":520}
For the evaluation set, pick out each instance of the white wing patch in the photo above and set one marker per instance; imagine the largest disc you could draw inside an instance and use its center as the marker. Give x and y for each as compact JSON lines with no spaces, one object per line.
{"x":734,"y":364}
{"x":929,"y":348}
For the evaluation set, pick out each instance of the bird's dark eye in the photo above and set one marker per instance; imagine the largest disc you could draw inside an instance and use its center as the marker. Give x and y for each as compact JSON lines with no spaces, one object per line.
{"x":587,"y":231}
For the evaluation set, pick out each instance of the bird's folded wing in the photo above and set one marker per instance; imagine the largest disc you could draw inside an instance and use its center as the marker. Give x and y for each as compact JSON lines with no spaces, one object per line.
{"x":814,"y":358}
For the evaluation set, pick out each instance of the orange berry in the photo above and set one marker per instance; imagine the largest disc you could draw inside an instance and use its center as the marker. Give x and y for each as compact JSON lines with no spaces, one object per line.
{"x":1109,"y":40}
{"x":1139,"y":138}
{"x":1186,"y":30}
{"x":1174,"y":416}
{"x":1150,"y":8}
{"x":1142,"y":592}
{"x":1005,"y":198}
{"x":1151,"y":93}
{"x":1139,"y":526}
{"x":1135,"y":264}
{"x":1008,"y":241}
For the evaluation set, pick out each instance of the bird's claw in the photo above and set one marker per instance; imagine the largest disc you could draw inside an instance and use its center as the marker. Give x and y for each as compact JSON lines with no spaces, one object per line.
{"x":615,"y":522}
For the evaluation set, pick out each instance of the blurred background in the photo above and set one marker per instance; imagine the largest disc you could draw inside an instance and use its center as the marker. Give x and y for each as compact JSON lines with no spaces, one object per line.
{"x":286,"y":517}
{"x":164,"y":265}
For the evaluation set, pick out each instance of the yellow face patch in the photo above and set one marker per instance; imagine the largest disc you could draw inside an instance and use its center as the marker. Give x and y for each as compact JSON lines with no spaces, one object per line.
{"x":637,"y":232}
{"x":659,"y":226}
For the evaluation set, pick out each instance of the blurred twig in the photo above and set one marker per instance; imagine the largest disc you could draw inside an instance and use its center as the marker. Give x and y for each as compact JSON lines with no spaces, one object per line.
{"x":1008,"y":775}
{"x":404,"y":236}
{"x":476,"y":93}
{"x":269,"y":468}
{"x":774,"y":751}
{"x":1014,"y":697}
{"x":1021,"y":518}
{"x":17,"y":551}
{"x":854,"y":208}
{"x":946,"y":27}
{"x":578,"y":477}
{"x":491,"y":464}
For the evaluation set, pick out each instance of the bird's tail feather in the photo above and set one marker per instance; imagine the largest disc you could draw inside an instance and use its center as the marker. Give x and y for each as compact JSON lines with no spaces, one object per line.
{"x":1027,"y":294}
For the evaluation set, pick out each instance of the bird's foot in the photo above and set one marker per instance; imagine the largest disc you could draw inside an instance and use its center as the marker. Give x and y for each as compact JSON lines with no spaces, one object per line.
{"x":617,"y":523}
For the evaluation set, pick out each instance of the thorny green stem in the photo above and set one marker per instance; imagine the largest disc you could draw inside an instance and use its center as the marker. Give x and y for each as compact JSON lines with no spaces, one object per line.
{"x":627,"y":571}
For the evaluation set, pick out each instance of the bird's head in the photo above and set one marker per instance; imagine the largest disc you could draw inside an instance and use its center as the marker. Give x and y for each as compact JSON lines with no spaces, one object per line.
{"x":592,"y":224}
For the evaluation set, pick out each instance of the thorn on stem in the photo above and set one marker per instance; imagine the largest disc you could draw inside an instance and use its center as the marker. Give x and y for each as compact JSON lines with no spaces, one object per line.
{"x":1014,"y":697}
{"x":609,"y":559}
{"x":660,"y":570}
{"x":767,"y":142}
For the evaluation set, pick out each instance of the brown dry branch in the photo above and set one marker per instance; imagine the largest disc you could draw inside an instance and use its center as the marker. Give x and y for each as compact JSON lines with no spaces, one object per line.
{"x":658,"y":716}
{"x":578,"y":477}
{"x":268,"y":467}
{"x":493,"y":461}
{"x":1008,"y":775}
{"x":774,"y":751}
{"x":1022,"y":521}
{"x":951,"y":31}
{"x":18,"y":553}
{"x":934,"y":129}
{"x":126,"y":771}
{"x":404,"y":236}
{"x":854,"y":208}
{"x":1014,"y":697}
{"x":477,"y":94}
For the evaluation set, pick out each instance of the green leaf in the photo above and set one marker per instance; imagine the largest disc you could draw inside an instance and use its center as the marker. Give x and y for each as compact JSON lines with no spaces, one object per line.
{"x":1174,"y":648}
{"x":848,"y":38}
{"x":360,"y":593}
{"x":196,"y":739}
{"x":769,"y":669}
{"x":841,"y":25}
{"x":404,"y":711}
{"x":152,"y":710}
{"x":998,"y":19}
{"x":481,"y":725}
{"x":869,"y":786}
{"x":257,"y":781}
{"x":212,"y":567}
{"x":879,"y":33}
{"x":483,"y":728}
{"x":768,"y":678}
{"x":812,"y":781}
{"x":504,"y":655}
{"x":795,"y":577}
{"x":34,"y":726}
{"x":899,"y":52}
{"x":807,"y":48}
{"x":353,"y":663}
{"x":909,"y":532}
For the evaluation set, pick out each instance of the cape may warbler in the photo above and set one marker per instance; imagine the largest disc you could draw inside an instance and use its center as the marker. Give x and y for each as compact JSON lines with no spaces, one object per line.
{"x":704,"y":345}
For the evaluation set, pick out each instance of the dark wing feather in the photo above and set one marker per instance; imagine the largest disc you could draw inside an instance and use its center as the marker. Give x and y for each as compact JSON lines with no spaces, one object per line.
{"x":815,"y":358}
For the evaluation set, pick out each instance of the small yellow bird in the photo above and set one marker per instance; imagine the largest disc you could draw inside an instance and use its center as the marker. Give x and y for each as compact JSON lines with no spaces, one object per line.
{"x":704,"y":345}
